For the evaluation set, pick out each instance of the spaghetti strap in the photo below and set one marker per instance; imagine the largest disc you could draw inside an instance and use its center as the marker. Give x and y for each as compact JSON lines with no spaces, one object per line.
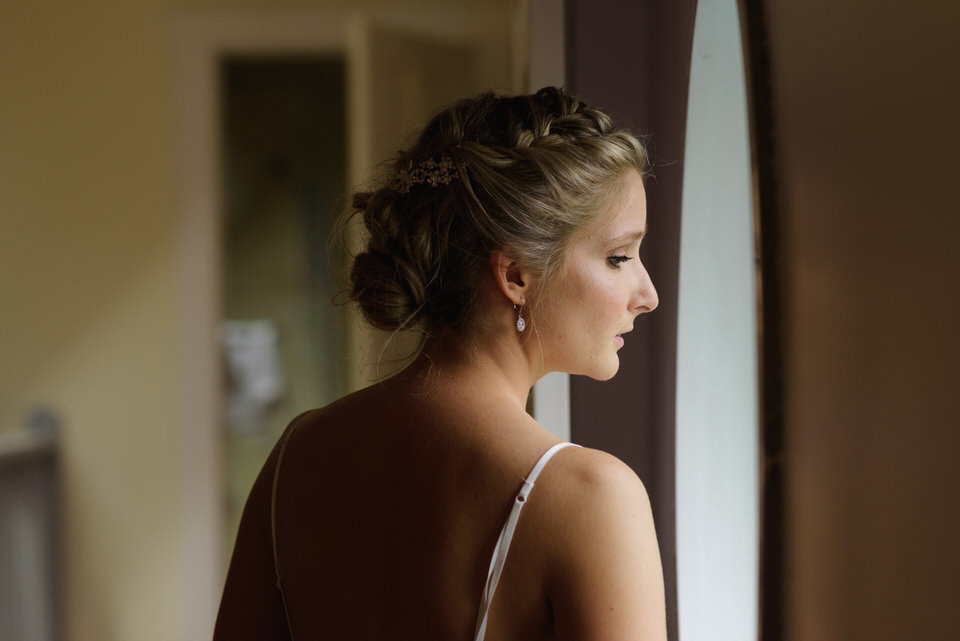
{"x":506,"y":536}
{"x":273,"y":497}
{"x":273,"y":514}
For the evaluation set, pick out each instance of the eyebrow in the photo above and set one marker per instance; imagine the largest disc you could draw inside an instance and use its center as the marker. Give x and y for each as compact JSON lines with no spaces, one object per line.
{"x":627,"y":236}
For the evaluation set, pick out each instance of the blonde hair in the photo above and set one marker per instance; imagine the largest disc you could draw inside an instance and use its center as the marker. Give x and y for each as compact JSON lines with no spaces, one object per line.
{"x":523,"y":173}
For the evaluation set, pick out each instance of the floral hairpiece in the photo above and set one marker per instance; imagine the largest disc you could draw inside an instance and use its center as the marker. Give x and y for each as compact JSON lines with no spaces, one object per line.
{"x":430,"y":171}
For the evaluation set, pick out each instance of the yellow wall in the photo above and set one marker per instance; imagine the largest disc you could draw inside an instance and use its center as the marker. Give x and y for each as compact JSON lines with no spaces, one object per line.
{"x":89,"y":292}
{"x":86,"y":283}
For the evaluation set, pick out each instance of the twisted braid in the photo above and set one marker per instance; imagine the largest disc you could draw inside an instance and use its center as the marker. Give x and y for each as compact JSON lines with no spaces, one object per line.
{"x":530,"y":171}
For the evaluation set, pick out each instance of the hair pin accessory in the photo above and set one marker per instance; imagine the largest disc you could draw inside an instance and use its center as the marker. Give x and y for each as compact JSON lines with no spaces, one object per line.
{"x":431,"y":172}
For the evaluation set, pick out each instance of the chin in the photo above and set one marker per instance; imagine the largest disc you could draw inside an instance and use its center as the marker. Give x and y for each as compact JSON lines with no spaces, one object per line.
{"x":605,"y":373}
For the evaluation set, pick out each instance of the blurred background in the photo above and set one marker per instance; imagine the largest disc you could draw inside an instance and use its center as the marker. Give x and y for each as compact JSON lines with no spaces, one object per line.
{"x":169,"y":171}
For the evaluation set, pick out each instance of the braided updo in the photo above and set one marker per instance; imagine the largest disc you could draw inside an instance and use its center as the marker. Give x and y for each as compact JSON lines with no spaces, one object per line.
{"x":522,"y":173}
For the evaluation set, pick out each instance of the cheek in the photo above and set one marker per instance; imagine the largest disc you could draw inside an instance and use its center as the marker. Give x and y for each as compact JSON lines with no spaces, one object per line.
{"x":599,"y":294}
{"x":594,"y":304}
{"x":585,"y":300}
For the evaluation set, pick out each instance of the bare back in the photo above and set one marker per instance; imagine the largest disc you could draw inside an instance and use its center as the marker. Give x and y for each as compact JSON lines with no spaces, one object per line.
{"x":387,"y":510}
{"x":389,"y":503}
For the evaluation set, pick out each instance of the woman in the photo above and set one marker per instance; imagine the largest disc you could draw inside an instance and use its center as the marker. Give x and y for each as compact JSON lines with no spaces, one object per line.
{"x":509,"y":235}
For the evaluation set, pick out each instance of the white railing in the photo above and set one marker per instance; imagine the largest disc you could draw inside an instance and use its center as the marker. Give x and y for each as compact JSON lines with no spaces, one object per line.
{"x":29,"y":537}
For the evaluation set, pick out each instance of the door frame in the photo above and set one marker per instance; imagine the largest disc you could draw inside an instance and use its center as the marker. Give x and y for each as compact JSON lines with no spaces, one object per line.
{"x":199,"y":41}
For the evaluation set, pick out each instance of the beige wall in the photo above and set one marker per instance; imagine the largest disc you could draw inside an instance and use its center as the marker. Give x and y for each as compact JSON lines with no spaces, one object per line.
{"x":89,"y":291}
{"x":866,"y":103}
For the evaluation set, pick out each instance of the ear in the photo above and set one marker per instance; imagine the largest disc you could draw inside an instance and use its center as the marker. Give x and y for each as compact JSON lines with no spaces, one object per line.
{"x":512,"y":281}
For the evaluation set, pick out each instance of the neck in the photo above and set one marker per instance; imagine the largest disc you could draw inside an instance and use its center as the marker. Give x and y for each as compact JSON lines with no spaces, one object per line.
{"x":495,"y":366}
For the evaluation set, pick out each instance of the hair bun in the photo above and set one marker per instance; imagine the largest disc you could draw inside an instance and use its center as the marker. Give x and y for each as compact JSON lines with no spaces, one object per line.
{"x":387,"y":293}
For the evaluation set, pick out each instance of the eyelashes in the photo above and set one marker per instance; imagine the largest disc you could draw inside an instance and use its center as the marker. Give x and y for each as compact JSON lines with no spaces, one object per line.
{"x":615,"y":261}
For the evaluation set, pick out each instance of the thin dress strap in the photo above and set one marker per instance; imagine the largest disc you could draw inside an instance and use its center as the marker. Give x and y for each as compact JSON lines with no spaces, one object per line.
{"x":506,"y":536}
{"x":273,"y":507}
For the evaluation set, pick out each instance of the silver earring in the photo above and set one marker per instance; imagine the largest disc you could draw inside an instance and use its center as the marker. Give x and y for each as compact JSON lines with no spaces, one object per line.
{"x":521,"y":324}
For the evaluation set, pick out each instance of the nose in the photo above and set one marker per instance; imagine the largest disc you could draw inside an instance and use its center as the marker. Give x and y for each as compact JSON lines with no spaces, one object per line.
{"x":645,"y":297}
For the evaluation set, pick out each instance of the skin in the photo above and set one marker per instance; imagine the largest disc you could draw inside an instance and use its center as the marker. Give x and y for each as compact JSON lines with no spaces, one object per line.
{"x":391,"y":499}
{"x":602,"y":288}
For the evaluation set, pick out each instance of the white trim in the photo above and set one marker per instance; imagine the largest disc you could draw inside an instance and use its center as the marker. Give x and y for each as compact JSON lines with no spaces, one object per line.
{"x":551,"y":404}
{"x":547,"y":56}
{"x":198,"y":289}
{"x":717,"y":475}
{"x":200,"y":42}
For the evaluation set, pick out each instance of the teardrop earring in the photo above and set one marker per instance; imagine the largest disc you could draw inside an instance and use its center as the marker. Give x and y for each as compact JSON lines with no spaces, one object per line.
{"x":521,"y":324}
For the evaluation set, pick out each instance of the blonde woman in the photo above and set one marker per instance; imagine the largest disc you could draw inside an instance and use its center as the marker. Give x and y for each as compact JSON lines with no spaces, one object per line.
{"x":431,"y":505}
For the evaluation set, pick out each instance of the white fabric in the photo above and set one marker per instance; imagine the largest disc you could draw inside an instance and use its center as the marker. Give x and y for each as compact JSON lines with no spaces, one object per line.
{"x":506,"y":535}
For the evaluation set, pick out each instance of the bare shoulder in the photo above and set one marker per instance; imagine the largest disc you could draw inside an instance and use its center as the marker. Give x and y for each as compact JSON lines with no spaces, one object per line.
{"x":596,"y":475}
{"x":594,"y":496}
{"x":605,"y":578}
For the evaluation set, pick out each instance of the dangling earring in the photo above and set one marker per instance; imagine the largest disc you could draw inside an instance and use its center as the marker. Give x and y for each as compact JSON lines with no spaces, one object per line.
{"x":521,"y":324}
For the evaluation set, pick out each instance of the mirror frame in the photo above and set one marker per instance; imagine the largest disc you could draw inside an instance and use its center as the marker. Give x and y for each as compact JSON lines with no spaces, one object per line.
{"x":754,"y":33}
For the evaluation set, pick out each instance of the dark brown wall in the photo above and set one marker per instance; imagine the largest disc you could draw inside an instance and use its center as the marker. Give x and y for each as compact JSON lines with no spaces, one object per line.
{"x":632,"y":59}
{"x":866,"y":99}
